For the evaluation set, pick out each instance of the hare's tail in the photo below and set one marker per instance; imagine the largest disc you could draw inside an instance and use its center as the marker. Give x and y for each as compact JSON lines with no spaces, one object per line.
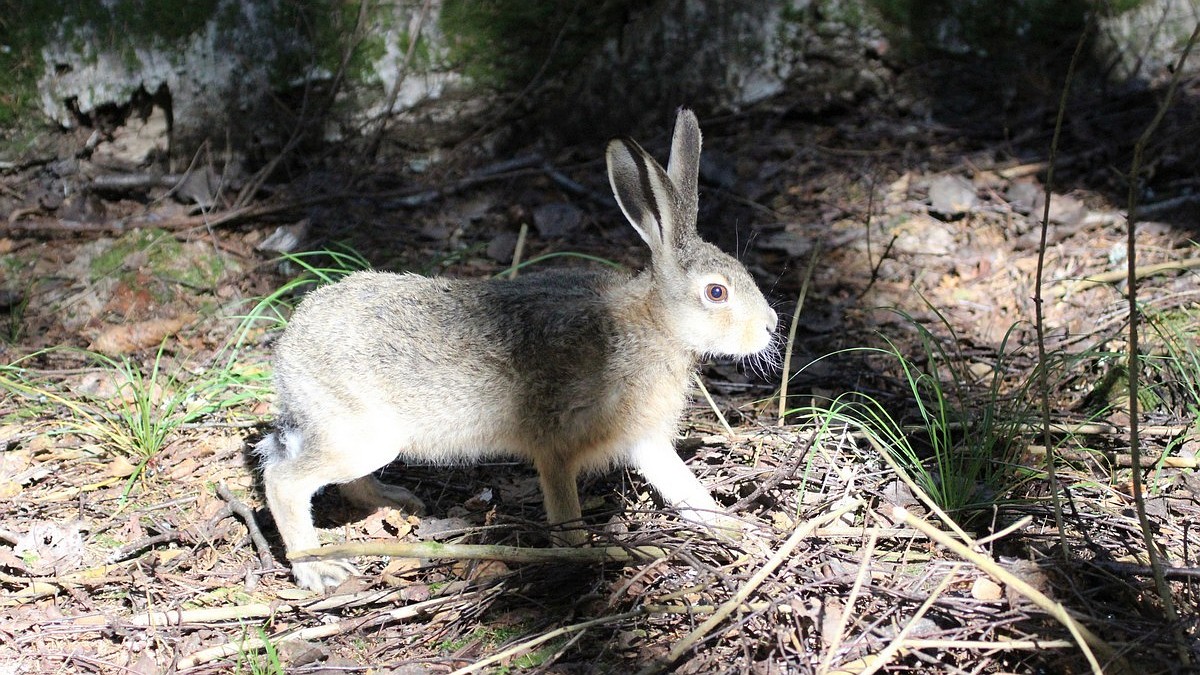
{"x":283,"y":443}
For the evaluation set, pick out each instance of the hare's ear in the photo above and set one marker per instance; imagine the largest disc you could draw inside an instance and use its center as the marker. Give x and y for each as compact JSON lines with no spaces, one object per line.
{"x":644,"y":193}
{"x":684,"y":165}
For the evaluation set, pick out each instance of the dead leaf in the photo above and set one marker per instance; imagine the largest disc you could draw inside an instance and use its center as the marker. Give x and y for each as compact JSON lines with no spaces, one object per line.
{"x":120,"y":340}
{"x":986,"y":590}
{"x":120,"y":467}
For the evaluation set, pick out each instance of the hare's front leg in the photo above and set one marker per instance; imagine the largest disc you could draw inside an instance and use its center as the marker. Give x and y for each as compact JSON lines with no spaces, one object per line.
{"x":661,"y":466}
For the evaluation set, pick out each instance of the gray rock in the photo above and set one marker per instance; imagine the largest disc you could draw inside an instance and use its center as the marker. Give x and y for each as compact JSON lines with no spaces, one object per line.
{"x":923,"y":235}
{"x":557,"y":219}
{"x":502,"y":247}
{"x":952,"y":195}
{"x":1022,"y":195}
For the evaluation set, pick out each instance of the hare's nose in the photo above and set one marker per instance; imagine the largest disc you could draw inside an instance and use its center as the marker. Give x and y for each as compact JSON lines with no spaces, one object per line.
{"x":772,"y":320}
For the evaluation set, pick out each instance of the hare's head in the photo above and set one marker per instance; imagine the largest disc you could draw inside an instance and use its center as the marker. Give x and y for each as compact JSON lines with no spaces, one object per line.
{"x":715,"y":306}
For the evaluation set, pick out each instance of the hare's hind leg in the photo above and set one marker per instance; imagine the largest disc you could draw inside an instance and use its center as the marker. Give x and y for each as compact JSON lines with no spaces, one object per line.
{"x":560,"y":493}
{"x":289,"y":484}
{"x":296,"y":467}
{"x":370,"y":492}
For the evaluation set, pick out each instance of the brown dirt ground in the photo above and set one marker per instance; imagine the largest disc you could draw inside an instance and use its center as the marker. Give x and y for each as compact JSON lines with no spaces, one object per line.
{"x":105,"y":569}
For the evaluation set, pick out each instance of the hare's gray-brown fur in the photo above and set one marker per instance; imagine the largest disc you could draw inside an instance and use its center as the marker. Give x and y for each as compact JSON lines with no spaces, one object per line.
{"x":574,"y":371}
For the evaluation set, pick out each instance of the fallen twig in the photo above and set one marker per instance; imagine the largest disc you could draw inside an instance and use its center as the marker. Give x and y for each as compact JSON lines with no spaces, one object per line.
{"x":864,"y":572}
{"x":251,"y":644}
{"x":1123,"y":459}
{"x":242,"y":511}
{"x":1087,"y":640}
{"x":1138,"y":273}
{"x":874,"y":662}
{"x":513,"y":554}
{"x":791,"y":338}
{"x":799,"y":534}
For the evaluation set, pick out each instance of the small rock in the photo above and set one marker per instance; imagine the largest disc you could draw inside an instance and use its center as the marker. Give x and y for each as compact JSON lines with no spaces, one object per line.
{"x":297,"y":653}
{"x":285,"y":238}
{"x":924,"y":236}
{"x":558,"y":219}
{"x":1022,"y":195}
{"x":952,"y":195}
{"x":1065,"y":209}
{"x":502,"y":247}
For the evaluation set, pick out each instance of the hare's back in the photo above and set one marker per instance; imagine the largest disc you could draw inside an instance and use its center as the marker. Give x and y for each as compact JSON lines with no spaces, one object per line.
{"x":452,"y":342}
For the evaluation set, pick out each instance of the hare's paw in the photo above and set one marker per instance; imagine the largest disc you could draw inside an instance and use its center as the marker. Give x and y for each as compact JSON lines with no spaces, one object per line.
{"x":372,"y":493}
{"x":322,"y":575}
{"x":401,"y":498}
{"x":718,"y":525}
{"x":568,"y":536}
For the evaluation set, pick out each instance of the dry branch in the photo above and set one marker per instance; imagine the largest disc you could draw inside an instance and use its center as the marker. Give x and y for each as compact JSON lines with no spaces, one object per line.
{"x":314,"y":632}
{"x":1138,"y":273}
{"x":799,"y":534}
{"x":1088,"y":641}
{"x":512,"y":554}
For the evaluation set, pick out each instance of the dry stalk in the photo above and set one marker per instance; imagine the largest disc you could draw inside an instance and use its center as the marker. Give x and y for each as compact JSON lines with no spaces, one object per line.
{"x":713,"y":404}
{"x":178,"y":617}
{"x":1086,"y":640}
{"x":799,"y":534}
{"x":982,"y":645}
{"x":1043,"y":377}
{"x":545,"y":637}
{"x":874,"y":662}
{"x":791,"y":339}
{"x":414,"y":37}
{"x":513,"y":554}
{"x":1138,"y":273}
{"x":318,"y":632}
{"x":920,"y":493}
{"x":518,"y":251}
{"x":864,"y":571}
{"x":1135,"y":361}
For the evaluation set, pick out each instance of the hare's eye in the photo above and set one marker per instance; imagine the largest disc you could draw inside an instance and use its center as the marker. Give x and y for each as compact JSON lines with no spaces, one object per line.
{"x":716,"y":293}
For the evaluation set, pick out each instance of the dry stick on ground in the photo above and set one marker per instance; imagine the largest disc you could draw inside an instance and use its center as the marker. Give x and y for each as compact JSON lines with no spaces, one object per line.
{"x":1135,"y":360}
{"x":242,"y":511}
{"x":513,"y":554}
{"x":176,"y":617}
{"x":887,"y":250}
{"x":871,"y":664}
{"x":864,"y":571}
{"x":317,"y":632}
{"x":546,"y":637}
{"x":1139,"y":273}
{"x":1039,"y":322}
{"x":1123,"y":460}
{"x":916,"y":490}
{"x":780,"y":474}
{"x":1087,"y":640}
{"x":799,"y":534}
{"x":518,"y":251}
{"x":787,"y":350}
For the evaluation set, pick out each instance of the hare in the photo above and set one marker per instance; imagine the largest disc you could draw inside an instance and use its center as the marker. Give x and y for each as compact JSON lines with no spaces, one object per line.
{"x":572,"y":370}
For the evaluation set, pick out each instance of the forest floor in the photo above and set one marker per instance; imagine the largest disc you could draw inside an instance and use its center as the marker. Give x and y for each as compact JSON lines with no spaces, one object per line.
{"x":134,"y":536}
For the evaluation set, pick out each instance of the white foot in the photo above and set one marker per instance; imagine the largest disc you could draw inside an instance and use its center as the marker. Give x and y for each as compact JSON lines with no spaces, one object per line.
{"x":322,"y":576}
{"x":372,"y":493}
